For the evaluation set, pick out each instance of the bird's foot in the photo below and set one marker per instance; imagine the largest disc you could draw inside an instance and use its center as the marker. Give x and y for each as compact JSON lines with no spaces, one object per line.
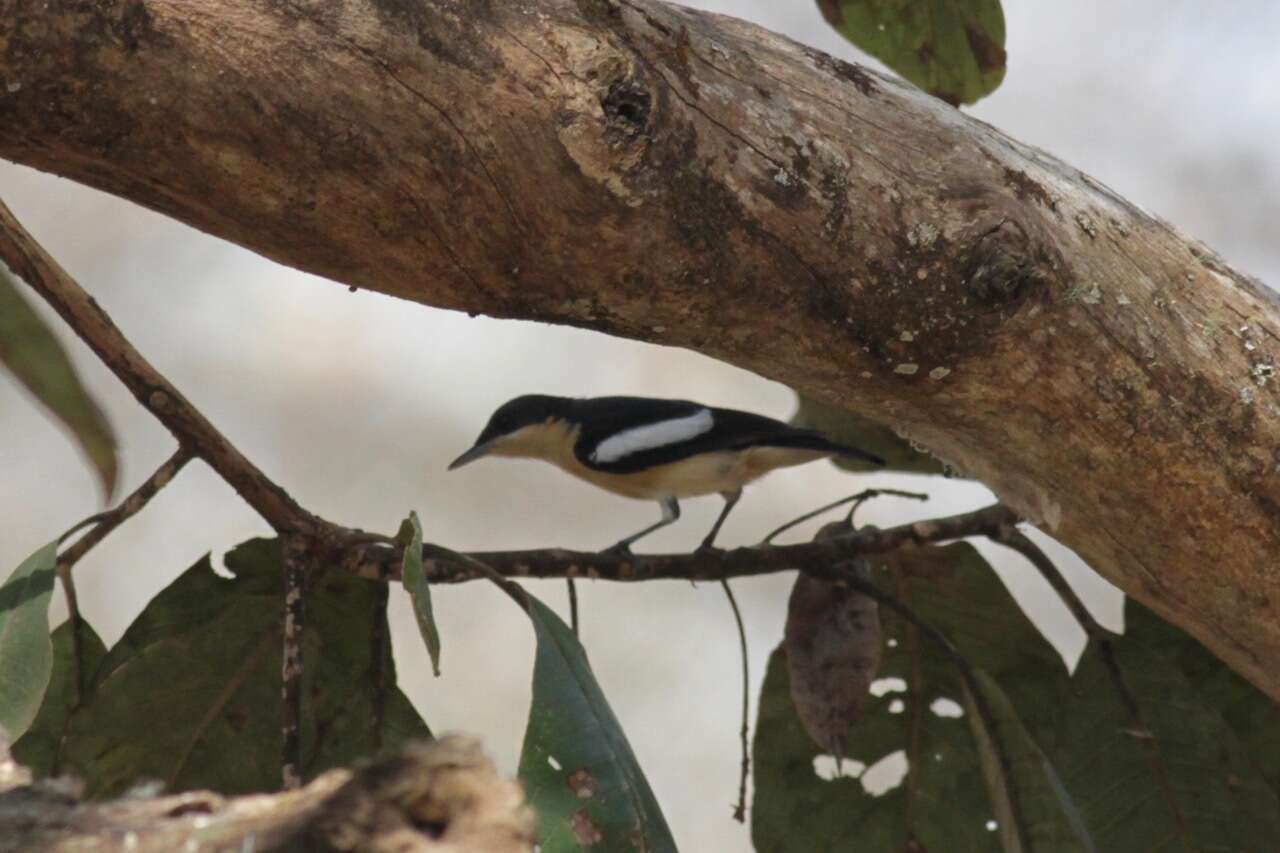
{"x":621,"y":549}
{"x":708,"y":547}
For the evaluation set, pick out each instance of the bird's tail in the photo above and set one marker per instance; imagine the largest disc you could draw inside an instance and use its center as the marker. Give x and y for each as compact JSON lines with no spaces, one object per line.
{"x":813,"y":440}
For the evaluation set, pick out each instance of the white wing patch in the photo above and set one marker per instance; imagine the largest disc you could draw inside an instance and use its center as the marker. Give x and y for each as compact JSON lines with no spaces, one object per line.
{"x":649,"y":436}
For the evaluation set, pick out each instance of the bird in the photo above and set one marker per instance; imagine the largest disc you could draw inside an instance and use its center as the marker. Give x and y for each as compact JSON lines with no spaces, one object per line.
{"x":652,"y":449}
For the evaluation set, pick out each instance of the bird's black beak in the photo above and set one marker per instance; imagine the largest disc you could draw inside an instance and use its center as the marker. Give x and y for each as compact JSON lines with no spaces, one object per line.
{"x":481,"y":449}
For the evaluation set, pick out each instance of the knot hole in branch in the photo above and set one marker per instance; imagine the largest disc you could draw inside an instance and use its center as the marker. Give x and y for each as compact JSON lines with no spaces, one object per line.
{"x":1003,"y":267}
{"x":626,"y":109}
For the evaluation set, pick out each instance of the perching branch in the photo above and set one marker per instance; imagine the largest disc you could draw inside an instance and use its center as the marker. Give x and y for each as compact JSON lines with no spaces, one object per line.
{"x":376,"y":560}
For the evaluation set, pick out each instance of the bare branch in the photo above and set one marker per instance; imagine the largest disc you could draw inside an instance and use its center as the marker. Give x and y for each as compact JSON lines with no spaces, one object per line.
{"x":106,"y":522}
{"x":29,"y":261}
{"x":375,"y":560}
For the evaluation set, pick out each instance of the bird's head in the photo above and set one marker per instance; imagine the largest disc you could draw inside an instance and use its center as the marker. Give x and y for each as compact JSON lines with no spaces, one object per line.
{"x":520,"y":427}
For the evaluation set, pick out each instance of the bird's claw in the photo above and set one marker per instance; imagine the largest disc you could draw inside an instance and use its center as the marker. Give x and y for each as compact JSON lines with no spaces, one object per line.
{"x":621,"y":549}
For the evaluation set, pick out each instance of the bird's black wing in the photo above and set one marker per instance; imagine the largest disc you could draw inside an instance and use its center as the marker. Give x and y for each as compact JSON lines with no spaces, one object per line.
{"x":665,"y":431}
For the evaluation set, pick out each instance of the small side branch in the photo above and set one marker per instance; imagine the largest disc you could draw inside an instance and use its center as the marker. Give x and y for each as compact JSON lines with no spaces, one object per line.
{"x":100,"y":527}
{"x":105,"y":523}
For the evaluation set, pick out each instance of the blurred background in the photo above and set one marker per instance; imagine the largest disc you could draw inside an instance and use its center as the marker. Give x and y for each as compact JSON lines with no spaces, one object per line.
{"x":355,"y":402}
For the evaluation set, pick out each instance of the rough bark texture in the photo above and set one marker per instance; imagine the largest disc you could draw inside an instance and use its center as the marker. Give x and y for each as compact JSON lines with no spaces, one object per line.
{"x":439,"y":797}
{"x":690,"y":179}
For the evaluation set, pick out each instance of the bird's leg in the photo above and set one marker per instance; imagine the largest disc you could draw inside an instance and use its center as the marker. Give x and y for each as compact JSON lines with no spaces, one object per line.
{"x":730,"y":498}
{"x":670,"y":512}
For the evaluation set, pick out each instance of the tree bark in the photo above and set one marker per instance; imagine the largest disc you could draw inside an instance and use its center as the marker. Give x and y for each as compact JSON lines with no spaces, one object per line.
{"x":439,"y":797}
{"x":692,"y":180}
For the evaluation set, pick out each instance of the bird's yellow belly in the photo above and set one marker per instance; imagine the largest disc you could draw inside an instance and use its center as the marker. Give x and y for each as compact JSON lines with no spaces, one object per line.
{"x":705,"y":474}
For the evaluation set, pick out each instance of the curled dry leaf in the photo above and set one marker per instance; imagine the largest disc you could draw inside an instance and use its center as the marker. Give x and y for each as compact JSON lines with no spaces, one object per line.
{"x":833,"y":653}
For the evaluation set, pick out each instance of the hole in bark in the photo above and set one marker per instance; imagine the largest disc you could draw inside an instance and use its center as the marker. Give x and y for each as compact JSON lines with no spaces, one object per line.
{"x":430,"y":828}
{"x":192,"y":807}
{"x":999,"y":271}
{"x":626,"y":107}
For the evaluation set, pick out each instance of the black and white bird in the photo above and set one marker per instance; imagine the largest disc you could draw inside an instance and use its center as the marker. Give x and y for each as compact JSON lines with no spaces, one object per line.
{"x":651,"y":449}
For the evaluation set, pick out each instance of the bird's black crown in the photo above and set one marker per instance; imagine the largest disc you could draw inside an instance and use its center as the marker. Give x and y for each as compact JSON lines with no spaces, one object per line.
{"x":522,"y":412}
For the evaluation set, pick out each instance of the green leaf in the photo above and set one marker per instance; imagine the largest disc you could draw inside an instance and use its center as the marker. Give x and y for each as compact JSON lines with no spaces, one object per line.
{"x":853,"y":429}
{"x":26,"y":652}
{"x":953,"y":49}
{"x":190,"y":694}
{"x":1199,"y":771}
{"x":32,"y":353}
{"x":39,"y":748}
{"x":415,"y":583}
{"x":942,"y":802}
{"x":1033,"y":809}
{"x":1254,"y":718}
{"x":578,"y":770}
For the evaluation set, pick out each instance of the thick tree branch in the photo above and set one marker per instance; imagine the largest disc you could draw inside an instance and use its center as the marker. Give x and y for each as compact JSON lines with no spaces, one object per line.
{"x":440,"y":796}
{"x":689,"y":179}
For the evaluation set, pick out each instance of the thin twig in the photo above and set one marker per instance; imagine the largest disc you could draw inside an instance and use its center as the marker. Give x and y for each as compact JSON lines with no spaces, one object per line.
{"x":376,"y":561}
{"x":573,"y":606}
{"x":740,"y":808}
{"x":294,"y":548}
{"x":859,"y":499}
{"x":101,"y":525}
{"x":1010,"y":537}
{"x":29,"y":260}
{"x":104,"y":523}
